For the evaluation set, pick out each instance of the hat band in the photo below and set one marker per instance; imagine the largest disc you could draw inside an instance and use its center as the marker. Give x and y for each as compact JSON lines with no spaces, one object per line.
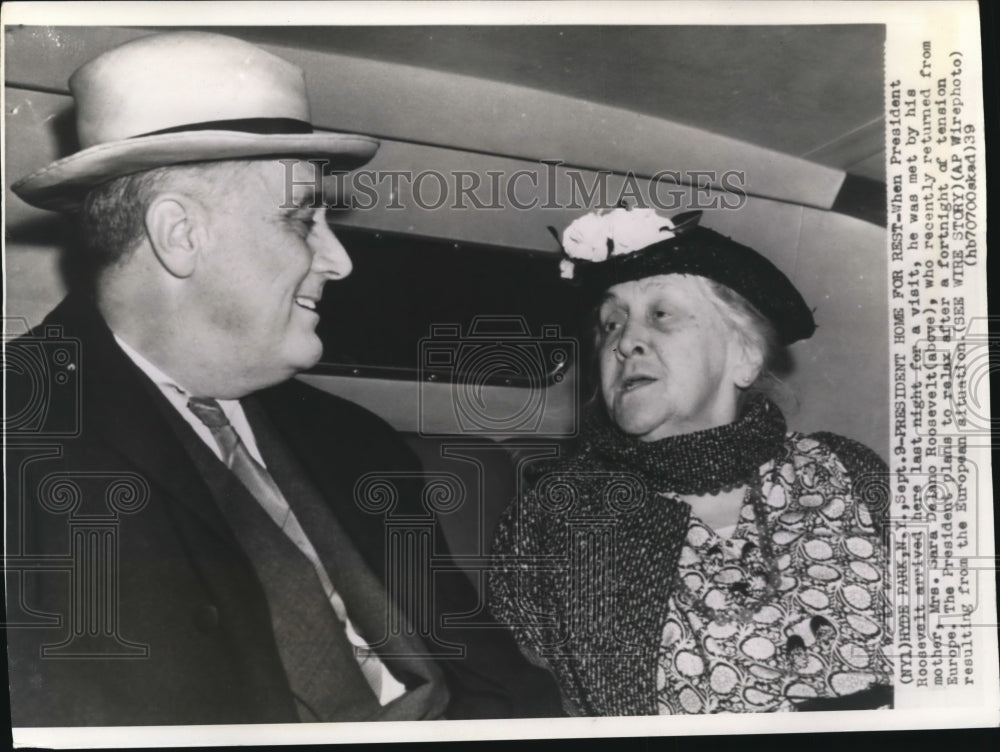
{"x":261,"y":126}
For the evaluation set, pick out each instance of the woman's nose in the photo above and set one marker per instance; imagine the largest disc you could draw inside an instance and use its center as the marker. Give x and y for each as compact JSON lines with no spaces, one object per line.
{"x":329,"y":255}
{"x":633,"y":339}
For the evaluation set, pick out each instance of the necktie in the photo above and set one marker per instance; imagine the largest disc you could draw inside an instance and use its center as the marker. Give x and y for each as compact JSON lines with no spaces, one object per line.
{"x":270,"y":498}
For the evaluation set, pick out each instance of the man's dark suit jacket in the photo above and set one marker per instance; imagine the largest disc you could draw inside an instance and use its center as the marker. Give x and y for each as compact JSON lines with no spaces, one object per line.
{"x":185,"y":587}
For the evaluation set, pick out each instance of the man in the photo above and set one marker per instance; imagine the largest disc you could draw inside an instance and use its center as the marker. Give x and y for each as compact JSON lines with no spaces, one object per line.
{"x":191,"y":550}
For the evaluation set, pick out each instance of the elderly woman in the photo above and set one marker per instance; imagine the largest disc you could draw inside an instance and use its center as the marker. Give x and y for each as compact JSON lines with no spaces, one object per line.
{"x":690,"y":554}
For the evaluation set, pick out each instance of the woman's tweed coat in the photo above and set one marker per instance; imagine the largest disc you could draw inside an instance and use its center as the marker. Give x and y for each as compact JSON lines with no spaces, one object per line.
{"x":585,"y":563}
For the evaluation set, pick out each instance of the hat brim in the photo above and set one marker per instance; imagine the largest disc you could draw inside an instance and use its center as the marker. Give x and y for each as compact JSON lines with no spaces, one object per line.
{"x":706,"y":253}
{"x":62,"y":185}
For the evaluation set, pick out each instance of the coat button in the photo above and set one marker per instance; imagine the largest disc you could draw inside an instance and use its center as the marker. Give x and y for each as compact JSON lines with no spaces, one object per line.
{"x":206,"y":617}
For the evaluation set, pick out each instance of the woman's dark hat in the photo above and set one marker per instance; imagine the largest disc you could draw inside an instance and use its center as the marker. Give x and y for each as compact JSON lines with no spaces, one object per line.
{"x":685,"y":248}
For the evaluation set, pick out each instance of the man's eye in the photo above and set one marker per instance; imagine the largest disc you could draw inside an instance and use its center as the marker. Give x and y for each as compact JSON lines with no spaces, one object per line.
{"x":303,"y":224}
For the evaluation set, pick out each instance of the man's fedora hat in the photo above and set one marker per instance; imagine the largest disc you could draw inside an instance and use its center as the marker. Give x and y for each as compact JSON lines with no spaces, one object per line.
{"x":184,"y":97}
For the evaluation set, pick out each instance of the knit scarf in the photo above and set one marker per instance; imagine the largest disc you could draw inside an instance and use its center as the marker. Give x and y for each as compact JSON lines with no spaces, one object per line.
{"x":695,"y":463}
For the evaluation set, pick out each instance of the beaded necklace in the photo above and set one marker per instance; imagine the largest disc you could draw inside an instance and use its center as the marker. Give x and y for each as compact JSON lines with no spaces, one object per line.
{"x":744,"y":601}
{"x":706,"y":462}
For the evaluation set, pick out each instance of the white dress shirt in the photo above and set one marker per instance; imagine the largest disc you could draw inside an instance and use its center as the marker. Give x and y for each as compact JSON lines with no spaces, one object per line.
{"x":389,"y":687}
{"x":178,"y":397}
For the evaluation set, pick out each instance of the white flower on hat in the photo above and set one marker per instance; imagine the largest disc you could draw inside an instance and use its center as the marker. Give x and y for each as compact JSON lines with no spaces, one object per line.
{"x":596,"y":236}
{"x":586,"y":238}
{"x":634,"y":229}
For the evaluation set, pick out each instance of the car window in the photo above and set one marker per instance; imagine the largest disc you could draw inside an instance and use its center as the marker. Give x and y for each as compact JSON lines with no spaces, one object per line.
{"x":439,"y":310}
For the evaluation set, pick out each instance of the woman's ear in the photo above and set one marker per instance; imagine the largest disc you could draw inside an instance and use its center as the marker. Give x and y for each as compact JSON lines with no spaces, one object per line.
{"x":748,"y":362}
{"x":175,"y":226}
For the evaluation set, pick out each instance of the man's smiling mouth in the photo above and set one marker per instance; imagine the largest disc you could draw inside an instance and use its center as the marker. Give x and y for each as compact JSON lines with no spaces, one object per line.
{"x":304,"y":302}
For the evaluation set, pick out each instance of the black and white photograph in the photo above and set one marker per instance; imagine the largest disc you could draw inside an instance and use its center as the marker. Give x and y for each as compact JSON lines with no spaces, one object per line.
{"x":522,"y":365}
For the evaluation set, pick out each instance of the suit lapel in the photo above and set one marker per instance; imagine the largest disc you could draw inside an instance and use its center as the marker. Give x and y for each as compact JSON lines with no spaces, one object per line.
{"x":120,"y":403}
{"x":333,"y":451}
{"x":364,"y":594}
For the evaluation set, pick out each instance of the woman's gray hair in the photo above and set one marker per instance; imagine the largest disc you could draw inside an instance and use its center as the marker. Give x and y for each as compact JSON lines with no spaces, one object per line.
{"x":756,"y":333}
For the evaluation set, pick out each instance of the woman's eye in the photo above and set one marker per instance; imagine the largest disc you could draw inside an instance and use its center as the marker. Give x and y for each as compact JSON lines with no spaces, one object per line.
{"x":660,"y":315}
{"x":611,"y":324}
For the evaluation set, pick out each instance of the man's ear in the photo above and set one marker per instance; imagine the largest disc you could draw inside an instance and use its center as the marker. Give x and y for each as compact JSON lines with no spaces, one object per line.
{"x":175,"y":225}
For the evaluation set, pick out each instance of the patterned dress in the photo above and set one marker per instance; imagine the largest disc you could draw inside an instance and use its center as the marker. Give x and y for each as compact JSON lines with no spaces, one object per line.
{"x":638,"y":608}
{"x":789,"y":608}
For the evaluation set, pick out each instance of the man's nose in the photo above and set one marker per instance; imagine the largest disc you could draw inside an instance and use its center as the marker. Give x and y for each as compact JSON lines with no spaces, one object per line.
{"x":329,"y":255}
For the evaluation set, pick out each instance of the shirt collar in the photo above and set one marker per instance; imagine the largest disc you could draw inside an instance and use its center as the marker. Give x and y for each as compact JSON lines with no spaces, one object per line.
{"x":162,"y":380}
{"x":178,"y":396}
{"x":156,"y":375}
